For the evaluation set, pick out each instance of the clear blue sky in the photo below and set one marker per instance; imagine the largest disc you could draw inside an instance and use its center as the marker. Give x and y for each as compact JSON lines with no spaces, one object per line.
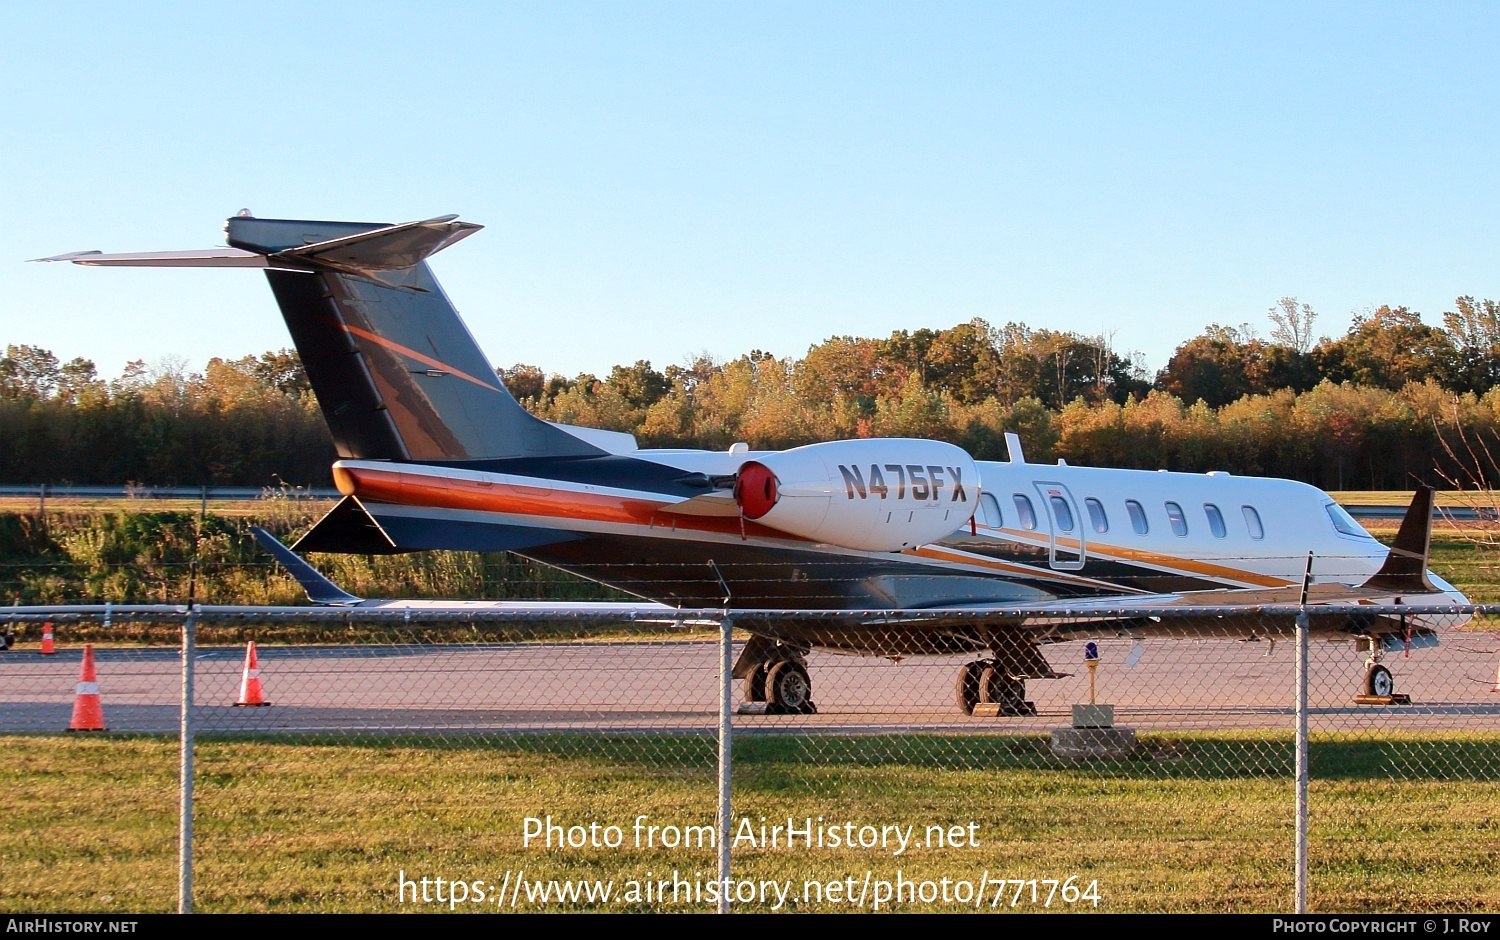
{"x":660,"y":179}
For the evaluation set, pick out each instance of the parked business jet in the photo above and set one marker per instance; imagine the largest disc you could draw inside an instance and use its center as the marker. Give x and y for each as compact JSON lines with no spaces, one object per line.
{"x":436,"y":454}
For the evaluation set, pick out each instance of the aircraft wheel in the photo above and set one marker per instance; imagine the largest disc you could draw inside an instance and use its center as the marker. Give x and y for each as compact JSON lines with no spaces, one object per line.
{"x":789,"y":689}
{"x":998,"y":688}
{"x":755,"y":683}
{"x":968,"y":686}
{"x":991,"y":684}
{"x":1379,"y":681}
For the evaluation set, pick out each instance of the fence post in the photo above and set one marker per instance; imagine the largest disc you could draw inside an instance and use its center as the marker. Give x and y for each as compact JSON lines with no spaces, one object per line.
{"x":1302,"y":772}
{"x":726,"y":734}
{"x":185,"y":771}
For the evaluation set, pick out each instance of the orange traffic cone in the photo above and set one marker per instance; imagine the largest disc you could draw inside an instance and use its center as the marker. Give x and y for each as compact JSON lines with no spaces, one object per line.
{"x":250,"y":692}
{"x":88,"y":714}
{"x":48,"y":647}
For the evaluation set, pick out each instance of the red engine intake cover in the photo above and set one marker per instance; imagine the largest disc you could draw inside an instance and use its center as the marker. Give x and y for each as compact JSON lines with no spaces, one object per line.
{"x":755,"y":490}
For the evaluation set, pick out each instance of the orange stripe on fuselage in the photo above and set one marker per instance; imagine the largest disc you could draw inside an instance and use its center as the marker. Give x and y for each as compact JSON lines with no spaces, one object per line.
{"x":411,"y":489}
{"x":1170,"y":562}
{"x":959,"y":556}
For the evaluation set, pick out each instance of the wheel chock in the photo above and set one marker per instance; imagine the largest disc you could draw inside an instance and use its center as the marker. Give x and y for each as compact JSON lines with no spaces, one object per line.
{"x":1395,"y":698}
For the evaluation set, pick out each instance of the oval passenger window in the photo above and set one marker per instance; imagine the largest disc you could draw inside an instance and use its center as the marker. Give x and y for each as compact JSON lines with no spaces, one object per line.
{"x":1178,"y":520}
{"x":1062,"y":513}
{"x":1215,"y":520}
{"x":1025,"y":511}
{"x":1097,"y":518}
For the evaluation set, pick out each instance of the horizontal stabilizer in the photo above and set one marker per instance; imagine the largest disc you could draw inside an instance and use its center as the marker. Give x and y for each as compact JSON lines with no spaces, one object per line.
{"x":319,"y":589}
{"x":392,"y":248}
{"x":200,"y":258}
{"x":372,"y":254}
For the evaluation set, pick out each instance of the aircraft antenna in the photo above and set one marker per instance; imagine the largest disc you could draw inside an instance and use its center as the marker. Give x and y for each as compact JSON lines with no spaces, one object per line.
{"x":722,"y":583}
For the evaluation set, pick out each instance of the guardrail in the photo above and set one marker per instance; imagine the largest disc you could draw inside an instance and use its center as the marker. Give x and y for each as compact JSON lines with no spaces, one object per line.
{"x":70,"y":491}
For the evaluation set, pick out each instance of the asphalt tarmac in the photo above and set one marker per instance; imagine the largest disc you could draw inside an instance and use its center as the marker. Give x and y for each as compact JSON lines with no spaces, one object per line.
{"x":671,"y":686}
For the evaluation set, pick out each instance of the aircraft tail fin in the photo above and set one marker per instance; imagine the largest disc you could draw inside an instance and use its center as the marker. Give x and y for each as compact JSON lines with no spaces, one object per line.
{"x":398,"y":375}
{"x":319,"y":589}
{"x":1405,"y":568}
{"x":396,"y":372}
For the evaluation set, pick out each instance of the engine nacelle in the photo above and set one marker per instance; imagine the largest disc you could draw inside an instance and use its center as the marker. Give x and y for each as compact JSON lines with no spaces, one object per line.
{"x":877,"y":495}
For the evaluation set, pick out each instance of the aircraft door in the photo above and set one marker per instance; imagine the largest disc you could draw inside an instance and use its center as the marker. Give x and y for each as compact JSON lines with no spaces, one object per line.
{"x":1067,"y":545}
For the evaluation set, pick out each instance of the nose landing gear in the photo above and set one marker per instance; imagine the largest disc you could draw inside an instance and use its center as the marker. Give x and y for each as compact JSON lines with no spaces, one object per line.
{"x":1379,"y":685}
{"x":1379,"y":681}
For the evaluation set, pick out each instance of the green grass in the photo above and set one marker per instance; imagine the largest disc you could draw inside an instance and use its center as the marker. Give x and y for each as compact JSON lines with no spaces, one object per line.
{"x":1467,"y":565}
{"x":1200,"y":823}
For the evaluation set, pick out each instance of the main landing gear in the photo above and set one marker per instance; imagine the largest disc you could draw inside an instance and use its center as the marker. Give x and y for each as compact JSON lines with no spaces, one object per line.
{"x":776,"y":676}
{"x":987,"y":682}
{"x":1001,"y":681}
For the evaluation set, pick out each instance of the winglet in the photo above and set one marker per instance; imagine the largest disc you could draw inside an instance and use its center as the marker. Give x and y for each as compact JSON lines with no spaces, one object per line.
{"x":1405,"y":568}
{"x":319,"y":589}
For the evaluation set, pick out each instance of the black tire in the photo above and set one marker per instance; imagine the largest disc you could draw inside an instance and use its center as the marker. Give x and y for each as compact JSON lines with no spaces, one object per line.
{"x":967,"y":689}
{"x":789,"y":689}
{"x":996,"y":687}
{"x":755,"y":683}
{"x":991,"y":684}
{"x":1379,"y":681}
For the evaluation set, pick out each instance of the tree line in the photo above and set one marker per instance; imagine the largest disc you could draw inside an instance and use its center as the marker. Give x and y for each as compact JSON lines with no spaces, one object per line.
{"x":245,"y":422}
{"x":1392,"y":402}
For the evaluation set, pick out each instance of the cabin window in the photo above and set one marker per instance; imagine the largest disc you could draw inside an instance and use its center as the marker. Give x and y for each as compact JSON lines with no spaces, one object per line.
{"x":1252,"y":522}
{"x":1097,"y":518}
{"x":1025,"y":511}
{"x":1063,"y":513}
{"x":1215,"y":520}
{"x":1177,"y":518}
{"x":1137,"y":517}
{"x":1344,"y":523}
{"x":989,"y":511}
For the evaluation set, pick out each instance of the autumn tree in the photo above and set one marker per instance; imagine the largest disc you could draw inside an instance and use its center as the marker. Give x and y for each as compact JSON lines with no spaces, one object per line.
{"x":1474,"y":329}
{"x":1292,"y":325}
{"x":1217,"y":367}
{"x":1388,"y":348}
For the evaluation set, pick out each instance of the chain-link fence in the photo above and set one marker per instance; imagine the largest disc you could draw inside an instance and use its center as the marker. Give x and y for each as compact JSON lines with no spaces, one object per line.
{"x":563,"y":759}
